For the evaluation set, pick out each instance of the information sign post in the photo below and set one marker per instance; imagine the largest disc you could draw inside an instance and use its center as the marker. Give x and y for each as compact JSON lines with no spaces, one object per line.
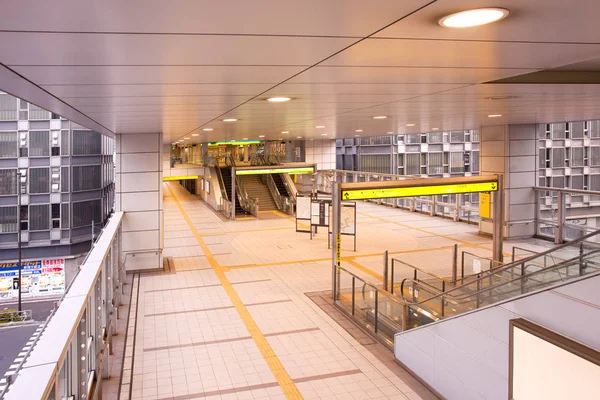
{"x":336,"y":198}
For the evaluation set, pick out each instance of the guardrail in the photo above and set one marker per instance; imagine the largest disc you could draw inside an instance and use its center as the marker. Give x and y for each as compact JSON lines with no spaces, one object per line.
{"x":566,"y":214}
{"x":72,"y":354}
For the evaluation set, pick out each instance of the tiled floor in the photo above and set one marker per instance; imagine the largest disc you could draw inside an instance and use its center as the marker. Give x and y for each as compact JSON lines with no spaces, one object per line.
{"x":233,"y":320}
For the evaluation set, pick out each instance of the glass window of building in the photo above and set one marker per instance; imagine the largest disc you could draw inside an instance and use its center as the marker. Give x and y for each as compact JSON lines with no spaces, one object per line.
{"x":86,"y":212}
{"x":39,"y":180}
{"x":8,"y":219}
{"x":86,"y":143}
{"x":39,"y":143}
{"x":8,"y":182}
{"x":9,"y":145}
{"x":39,"y":217}
{"x":8,"y":107}
{"x":86,"y":177}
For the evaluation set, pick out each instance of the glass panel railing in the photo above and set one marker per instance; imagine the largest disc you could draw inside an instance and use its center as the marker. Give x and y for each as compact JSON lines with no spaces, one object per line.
{"x":374,"y":309}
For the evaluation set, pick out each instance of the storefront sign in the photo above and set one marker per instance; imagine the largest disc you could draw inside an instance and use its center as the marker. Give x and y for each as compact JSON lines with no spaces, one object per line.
{"x":39,"y":278}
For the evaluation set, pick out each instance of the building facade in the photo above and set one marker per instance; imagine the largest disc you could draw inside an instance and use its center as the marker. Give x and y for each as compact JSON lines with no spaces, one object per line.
{"x":56,"y":183}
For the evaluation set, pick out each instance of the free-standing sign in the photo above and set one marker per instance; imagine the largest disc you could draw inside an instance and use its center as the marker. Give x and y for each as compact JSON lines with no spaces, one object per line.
{"x":39,"y":278}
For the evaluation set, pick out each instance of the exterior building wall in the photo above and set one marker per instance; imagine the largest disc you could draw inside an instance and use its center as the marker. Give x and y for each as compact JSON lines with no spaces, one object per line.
{"x":60,"y":173}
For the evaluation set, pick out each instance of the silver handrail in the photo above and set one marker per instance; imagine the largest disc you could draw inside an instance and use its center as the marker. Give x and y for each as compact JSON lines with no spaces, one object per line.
{"x":279,"y":200}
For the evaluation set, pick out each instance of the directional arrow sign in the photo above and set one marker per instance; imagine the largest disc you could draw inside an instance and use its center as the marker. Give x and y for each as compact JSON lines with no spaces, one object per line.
{"x":383,"y":193}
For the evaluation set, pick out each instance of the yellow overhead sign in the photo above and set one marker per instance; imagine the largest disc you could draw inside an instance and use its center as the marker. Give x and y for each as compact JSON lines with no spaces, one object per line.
{"x":383,"y":193}
{"x":302,"y":170}
{"x":179,"y":178}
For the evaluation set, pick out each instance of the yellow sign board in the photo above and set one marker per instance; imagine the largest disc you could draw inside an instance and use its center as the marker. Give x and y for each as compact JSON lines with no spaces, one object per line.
{"x":383,"y":193}
{"x":484,"y":205}
{"x":338,"y":245}
{"x":179,"y":178}
{"x":302,"y":170}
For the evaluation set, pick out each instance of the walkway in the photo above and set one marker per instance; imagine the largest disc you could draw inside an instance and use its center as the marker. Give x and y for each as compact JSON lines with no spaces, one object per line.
{"x":233,"y":321}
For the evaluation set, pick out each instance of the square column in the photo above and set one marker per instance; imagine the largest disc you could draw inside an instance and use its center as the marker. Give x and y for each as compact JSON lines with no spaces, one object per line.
{"x":139,"y":195}
{"x":511,"y":150}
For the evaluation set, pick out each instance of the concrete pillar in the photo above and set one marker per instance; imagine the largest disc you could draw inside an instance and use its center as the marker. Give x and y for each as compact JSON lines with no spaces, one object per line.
{"x":246,"y":152}
{"x":511,"y":150}
{"x":139,"y":195}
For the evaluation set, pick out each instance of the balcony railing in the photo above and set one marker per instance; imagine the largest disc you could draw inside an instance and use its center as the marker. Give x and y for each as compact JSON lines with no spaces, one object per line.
{"x":71,"y":356}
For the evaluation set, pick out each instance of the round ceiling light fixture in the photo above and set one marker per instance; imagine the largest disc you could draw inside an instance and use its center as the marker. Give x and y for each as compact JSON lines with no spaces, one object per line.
{"x":435,"y":129}
{"x":471,"y":18}
{"x":356,"y":135}
{"x":494,"y":115}
{"x":358,"y":130}
{"x":410,"y":124}
{"x":380,"y":117}
{"x":195,"y":134}
{"x":278,"y":99}
{"x":323,"y":134}
{"x":186,"y":138}
{"x":244,"y":138}
{"x":298,"y":137}
{"x":207,"y":129}
{"x":261,"y":135}
{"x":284,"y":132}
{"x":320,"y":126}
{"x":230,"y":120}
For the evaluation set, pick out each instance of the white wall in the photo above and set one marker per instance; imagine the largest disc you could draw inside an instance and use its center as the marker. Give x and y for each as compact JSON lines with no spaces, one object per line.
{"x":467,"y":357}
{"x":321,"y":152}
{"x":139,"y":195}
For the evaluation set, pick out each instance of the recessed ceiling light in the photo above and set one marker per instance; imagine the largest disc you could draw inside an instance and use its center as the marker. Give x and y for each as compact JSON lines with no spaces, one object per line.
{"x":230,"y":120}
{"x":470,"y":18}
{"x":356,"y":135}
{"x":195,"y":134}
{"x":186,"y":138}
{"x":207,"y":129}
{"x":320,"y":126}
{"x":493,"y":98}
{"x":278,"y":99}
{"x":410,"y":124}
{"x":358,"y":130}
{"x":232,"y":140}
{"x":261,"y":135}
{"x":380,"y":117}
{"x":323,"y":134}
{"x":298,"y":137}
{"x":284,"y":132}
{"x":435,"y":129}
{"x":244,"y":138}
{"x":494,"y":115}
{"x":390,"y":133}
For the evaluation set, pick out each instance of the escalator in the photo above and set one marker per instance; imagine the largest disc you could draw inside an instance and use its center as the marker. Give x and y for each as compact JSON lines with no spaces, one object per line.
{"x":226,"y":177}
{"x":277,"y":178}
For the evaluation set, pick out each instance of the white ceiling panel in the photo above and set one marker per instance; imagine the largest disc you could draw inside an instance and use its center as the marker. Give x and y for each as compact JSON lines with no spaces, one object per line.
{"x":284,"y":17}
{"x":457,"y":54}
{"x":571,"y":21}
{"x":294,"y":88}
{"x":400,"y":75}
{"x":44,"y":75}
{"x":18,"y":48}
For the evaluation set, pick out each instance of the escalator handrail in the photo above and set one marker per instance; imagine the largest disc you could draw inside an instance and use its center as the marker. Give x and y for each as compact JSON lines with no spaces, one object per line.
{"x":455,"y":299}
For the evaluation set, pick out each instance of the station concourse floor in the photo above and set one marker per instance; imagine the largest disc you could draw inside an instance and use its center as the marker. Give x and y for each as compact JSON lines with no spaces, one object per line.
{"x":232,"y":319}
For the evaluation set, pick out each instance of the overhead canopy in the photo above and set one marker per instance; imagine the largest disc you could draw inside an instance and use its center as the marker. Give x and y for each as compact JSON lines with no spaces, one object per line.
{"x":418,"y":187}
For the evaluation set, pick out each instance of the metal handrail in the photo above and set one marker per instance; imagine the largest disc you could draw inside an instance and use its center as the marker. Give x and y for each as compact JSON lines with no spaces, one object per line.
{"x":456,"y":299}
{"x":274,"y":191}
{"x":511,"y":265}
{"x":575,"y":191}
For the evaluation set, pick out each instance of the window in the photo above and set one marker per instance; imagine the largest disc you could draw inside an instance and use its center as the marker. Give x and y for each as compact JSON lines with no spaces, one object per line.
{"x":8,"y":145}
{"x":55,"y":143}
{"x":86,"y":177}
{"x":457,"y":162}
{"x":55,"y":216}
{"x":8,"y":108}
{"x":577,"y":157}
{"x":435,"y":163}
{"x":558,"y":157}
{"x":457,"y":137}
{"x":475,"y":136}
{"x":39,"y":217}
{"x":594,"y":156}
{"x":23,"y":150}
{"x":413,"y":139}
{"x":86,"y":212}
{"x":55,"y":186}
{"x":64,"y":142}
{"x":39,"y":180}
{"x":24,"y":216}
{"x":436,"y":137}
{"x":38,"y":113}
{"x":380,"y":163}
{"x":64,"y":179}
{"x":64,"y":216}
{"x":413,"y":164}
{"x":39,"y":143}
{"x":86,"y":143}
{"x":8,"y":219}
{"x":23,"y":110}
{"x":8,"y":182}
{"x":475,"y":161}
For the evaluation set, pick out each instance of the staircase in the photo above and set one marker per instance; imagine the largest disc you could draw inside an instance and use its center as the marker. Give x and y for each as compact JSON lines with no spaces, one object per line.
{"x":258,"y":190}
{"x":280,"y":185}
{"x":226,"y":175}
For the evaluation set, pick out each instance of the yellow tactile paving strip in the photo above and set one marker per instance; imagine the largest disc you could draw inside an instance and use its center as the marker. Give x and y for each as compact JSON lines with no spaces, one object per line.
{"x":286,"y":383}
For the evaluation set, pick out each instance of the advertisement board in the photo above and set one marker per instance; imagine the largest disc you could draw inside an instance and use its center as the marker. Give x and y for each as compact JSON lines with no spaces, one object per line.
{"x":39,"y":278}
